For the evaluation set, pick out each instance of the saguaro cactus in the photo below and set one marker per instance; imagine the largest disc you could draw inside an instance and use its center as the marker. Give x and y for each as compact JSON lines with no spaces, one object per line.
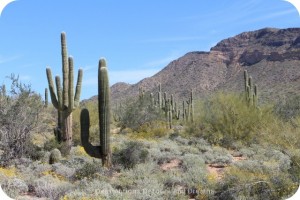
{"x":64,"y":99}
{"x":46,"y":97}
{"x":192,"y":106}
{"x":251,"y":96}
{"x":102,"y":151}
{"x":159,"y":96}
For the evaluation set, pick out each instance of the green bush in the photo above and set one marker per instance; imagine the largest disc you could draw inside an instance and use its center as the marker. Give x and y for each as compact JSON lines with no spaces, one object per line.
{"x":88,"y":170}
{"x":289,"y":107}
{"x":14,"y":187}
{"x":51,"y":144}
{"x":50,"y":187}
{"x":227,"y":118}
{"x":138,"y":113}
{"x":133,"y":154}
{"x":249,"y":182}
{"x":21,"y":114}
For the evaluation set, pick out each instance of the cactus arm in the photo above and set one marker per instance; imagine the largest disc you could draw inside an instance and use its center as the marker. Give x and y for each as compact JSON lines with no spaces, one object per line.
{"x":78,"y":88}
{"x":245,"y":79}
{"x":255,"y":98}
{"x":71,"y":84}
{"x":46,"y":97}
{"x":59,"y":93}
{"x":51,"y":88}
{"x":159,"y":96}
{"x":104,"y":107}
{"x":93,"y":151}
{"x":65,"y":69}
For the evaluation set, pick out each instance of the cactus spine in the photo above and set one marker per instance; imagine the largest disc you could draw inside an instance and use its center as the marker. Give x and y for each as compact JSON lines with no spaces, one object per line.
{"x":102,"y":151}
{"x":64,"y":99}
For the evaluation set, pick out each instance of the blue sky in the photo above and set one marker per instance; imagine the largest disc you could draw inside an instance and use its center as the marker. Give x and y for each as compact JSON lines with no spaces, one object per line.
{"x":137,"y":38}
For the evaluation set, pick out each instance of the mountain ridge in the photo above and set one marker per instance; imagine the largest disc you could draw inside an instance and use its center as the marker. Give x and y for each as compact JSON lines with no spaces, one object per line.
{"x":271,"y":56}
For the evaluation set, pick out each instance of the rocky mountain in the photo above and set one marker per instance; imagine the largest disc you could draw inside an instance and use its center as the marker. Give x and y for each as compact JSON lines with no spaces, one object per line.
{"x":271,"y":56}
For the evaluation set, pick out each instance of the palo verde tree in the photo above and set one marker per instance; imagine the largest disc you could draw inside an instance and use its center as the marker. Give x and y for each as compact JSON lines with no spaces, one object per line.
{"x":64,"y":99}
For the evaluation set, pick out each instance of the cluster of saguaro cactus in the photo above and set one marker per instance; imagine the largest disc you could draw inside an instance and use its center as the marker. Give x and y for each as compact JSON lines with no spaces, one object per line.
{"x":250,"y":90}
{"x":64,"y":99}
{"x":102,"y":151}
{"x":188,"y":108}
{"x":169,"y":106}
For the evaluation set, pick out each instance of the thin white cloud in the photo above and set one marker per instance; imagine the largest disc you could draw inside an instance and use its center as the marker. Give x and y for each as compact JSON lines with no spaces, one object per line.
{"x":161,"y":62}
{"x":271,"y":16}
{"x":8,"y":59}
{"x":174,"y":39}
{"x":87,"y":68}
{"x":24,"y":77}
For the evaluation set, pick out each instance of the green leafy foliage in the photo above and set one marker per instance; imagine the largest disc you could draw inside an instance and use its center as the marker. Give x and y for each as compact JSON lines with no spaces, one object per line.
{"x":137,"y":113}
{"x":226,"y":118}
{"x":289,"y":107}
{"x":20,"y":115}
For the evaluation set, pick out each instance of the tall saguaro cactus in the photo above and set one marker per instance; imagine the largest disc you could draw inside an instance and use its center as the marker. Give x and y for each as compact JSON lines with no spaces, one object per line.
{"x":102,"y":151}
{"x":64,"y":99}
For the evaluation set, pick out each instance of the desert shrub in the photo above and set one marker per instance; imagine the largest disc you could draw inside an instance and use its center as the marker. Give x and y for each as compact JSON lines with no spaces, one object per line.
{"x":34,"y":152}
{"x":33,"y":171}
{"x":96,"y":190}
{"x":88,"y":170}
{"x":51,"y":144}
{"x":143,"y":177}
{"x":227,"y":118}
{"x":151,"y":130}
{"x":194,"y":170}
{"x":246,"y":183}
{"x":14,"y":187}
{"x":288,"y":107}
{"x":133,"y":154}
{"x":137,"y":113}
{"x":217,"y":155}
{"x":20,"y":114}
{"x":163,"y":151}
{"x":50,"y":187}
{"x":64,"y":171}
{"x":284,"y":137}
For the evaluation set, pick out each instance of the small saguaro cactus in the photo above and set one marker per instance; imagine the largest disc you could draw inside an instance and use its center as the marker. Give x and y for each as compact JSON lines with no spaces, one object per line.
{"x":102,"y":151}
{"x":64,"y":99}
{"x":192,"y":106}
{"x":251,"y":96}
{"x":169,"y":116}
{"x":141,"y":93}
{"x":159,"y":96}
{"x":46,"y":97}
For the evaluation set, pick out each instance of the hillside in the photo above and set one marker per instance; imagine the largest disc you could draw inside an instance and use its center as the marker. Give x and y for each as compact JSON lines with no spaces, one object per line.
{"x":271,"y":56}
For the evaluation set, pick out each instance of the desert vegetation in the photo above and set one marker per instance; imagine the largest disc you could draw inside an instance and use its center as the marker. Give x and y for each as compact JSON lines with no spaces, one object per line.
{"x":152,"y":146}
